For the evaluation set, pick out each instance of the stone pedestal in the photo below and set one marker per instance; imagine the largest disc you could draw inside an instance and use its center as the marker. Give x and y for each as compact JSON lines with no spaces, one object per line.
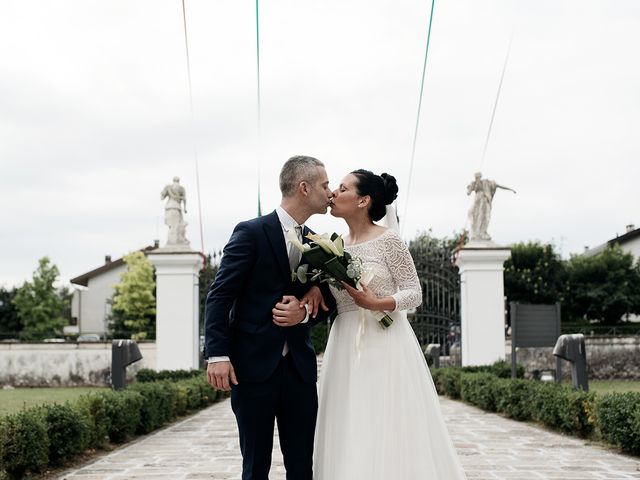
{"x":177,"y":308}
{"x":482,"y":302}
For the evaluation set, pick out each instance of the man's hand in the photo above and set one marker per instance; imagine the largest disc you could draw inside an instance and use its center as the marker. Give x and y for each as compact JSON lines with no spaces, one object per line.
{"x":220,"y":375}
{"x":314,"y":300}
{"x":288,"y":312}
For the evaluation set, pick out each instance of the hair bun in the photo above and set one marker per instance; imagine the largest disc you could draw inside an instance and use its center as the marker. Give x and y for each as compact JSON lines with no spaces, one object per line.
{"x":390,"y":188}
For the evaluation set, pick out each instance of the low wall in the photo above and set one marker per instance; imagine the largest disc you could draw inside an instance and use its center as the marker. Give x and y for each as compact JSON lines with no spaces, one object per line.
{"x":607,"y":358}
{"x":64,"y":364}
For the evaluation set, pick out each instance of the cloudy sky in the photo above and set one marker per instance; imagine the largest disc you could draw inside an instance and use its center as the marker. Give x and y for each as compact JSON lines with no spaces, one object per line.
{"x":95,"y":119}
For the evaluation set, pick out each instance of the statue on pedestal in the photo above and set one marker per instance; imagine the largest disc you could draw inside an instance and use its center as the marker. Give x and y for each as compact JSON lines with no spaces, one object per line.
{"x":480,"y":211}
{"x":176,"y":197}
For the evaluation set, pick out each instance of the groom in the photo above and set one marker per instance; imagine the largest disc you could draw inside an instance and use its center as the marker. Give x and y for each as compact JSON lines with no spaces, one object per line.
{"x":257,"y":324}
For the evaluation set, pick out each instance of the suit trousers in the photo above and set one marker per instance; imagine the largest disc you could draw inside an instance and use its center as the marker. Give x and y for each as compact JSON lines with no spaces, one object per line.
{"x":294,"y":404}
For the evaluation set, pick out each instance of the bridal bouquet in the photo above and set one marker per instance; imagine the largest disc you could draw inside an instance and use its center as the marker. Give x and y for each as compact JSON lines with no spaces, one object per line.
{"x":331,"y":263}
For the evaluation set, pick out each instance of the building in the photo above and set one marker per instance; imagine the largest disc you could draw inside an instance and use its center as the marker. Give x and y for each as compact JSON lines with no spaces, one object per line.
{"x":93,"y":291}
{"x":629,"y":241}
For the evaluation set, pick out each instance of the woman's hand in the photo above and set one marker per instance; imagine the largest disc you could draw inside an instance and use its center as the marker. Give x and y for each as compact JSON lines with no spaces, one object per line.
{"x":364,"y":298}
{"x":314,"y":300}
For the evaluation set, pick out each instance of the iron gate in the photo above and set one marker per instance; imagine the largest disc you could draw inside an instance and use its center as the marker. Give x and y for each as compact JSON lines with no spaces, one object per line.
{"x":437,"y":319}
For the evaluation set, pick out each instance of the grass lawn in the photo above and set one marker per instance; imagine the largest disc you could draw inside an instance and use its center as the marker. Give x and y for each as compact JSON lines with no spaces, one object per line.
{"x":13,"y":400}
{"x":610,"y":386}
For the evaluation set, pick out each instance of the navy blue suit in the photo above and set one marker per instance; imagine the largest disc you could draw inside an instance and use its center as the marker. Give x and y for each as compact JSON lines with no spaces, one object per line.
{"x":254,"y":275}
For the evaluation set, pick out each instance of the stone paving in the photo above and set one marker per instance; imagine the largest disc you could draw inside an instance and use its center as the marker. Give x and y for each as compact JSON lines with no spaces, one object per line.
{"x":205,"y":446}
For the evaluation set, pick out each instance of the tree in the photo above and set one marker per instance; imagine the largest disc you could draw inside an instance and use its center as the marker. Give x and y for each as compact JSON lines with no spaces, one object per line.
{"x":535,"y":273}
{"x":205,"y":279}
{"x":39,"y":306}
{"x":603,"y":287}
{"x":10,"y":326}
{"x":134,"y":303}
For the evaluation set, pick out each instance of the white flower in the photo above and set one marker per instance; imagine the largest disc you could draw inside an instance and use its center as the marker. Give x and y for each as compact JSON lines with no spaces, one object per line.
{"x":292,"y":237}
{"x":324,"y":241}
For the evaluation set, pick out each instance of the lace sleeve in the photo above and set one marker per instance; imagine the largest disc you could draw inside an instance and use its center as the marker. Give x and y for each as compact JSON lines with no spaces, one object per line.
{"x":403,"y":271}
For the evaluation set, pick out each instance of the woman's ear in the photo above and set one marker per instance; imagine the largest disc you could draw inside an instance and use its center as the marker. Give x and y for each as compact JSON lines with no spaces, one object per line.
{"x":364,"y":201}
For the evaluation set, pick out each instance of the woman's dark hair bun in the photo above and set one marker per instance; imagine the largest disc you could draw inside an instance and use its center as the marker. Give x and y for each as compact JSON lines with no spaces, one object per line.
{"x":382,"y":189}
{"x":390,"y":188}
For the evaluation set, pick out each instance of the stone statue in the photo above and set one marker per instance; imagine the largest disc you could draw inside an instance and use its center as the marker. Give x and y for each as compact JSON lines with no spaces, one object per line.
{"x":176,"y":197}
{"x":480,"y":211}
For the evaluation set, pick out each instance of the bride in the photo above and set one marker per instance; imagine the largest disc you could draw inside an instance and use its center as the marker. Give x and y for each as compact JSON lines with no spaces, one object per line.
{"x":379,"y":416}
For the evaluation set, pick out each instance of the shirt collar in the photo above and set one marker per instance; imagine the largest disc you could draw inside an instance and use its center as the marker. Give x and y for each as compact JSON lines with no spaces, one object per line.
{"x":286,"y":220}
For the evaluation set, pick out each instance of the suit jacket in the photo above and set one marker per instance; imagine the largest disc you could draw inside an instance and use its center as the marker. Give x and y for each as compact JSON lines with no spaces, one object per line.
{"x":254,"y":275}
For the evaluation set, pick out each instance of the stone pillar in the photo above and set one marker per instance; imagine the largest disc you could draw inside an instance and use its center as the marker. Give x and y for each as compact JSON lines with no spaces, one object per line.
{"x":177,"y":308}
{"x":482,"y":302}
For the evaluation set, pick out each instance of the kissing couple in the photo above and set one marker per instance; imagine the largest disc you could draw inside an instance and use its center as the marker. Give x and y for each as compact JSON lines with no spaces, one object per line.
{"x":375,"y":413}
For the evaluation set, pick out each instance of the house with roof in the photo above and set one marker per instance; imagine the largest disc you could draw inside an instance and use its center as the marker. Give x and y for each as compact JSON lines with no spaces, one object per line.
{"x":629,"y":242}
{"x":93,"y":291}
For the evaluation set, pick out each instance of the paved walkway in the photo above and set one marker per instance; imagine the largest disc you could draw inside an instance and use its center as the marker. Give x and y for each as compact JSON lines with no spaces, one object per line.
{"x":205,"y":446}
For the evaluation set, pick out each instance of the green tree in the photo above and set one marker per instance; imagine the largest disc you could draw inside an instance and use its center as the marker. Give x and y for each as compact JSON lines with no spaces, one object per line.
{"x":134,"y":303}
{"x":205,"y":279}
{"x":603,"y":287}
{"x":535,"y":273}
{"x":10,"y":326}
{"x":39,"y":306}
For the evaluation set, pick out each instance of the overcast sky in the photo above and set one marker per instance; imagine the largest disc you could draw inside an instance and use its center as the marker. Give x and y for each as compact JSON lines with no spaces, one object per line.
{"x":94,"y":116}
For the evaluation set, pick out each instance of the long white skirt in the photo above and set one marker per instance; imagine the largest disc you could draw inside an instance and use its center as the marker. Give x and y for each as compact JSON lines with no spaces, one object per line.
{"x":379,"y":415}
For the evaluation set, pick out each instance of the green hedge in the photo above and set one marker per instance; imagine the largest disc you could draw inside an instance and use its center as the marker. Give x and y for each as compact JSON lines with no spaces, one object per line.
{"x":50,"y":434}
{"x":145,"y":375}
{"x":24,"y":444}
{"x":614,"y":418}
{"x":618,"y":420}
{"x":67,"y":431}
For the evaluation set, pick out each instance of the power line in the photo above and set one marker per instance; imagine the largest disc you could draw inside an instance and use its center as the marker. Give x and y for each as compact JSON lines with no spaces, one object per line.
{"x":258,"y":95}
{"x":495,"y":104}
{"x":195,"y":150}
{"x":415,"y":133}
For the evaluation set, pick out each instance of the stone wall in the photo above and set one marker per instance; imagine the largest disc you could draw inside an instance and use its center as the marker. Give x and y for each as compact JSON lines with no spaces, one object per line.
{"x":64,"y":364}
{"x":607,"y":358}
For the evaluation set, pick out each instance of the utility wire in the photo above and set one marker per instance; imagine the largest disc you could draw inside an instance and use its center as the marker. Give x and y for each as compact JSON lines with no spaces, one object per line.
{"x":495,"y":104}
{"x":415,"y":133}
{"x":258,"y":96}
{"x":195,"y":150}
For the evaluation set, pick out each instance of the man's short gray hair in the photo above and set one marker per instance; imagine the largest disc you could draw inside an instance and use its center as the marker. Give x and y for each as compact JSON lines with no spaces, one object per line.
{"x":298,"y":169}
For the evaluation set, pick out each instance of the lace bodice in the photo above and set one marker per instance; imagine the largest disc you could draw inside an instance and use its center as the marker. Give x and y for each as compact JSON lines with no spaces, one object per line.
{"x":394,"y":272}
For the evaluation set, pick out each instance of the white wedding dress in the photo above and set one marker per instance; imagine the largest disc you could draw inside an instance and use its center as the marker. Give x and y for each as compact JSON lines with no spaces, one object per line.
{"x":379,"y":415}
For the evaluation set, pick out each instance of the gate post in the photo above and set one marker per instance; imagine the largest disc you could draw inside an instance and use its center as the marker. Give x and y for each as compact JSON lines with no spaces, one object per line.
{"x":482,"y":303}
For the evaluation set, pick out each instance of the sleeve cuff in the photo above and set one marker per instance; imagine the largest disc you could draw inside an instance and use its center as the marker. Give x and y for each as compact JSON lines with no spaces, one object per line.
{"x":217,"y":359}
{"x":306,"y":317}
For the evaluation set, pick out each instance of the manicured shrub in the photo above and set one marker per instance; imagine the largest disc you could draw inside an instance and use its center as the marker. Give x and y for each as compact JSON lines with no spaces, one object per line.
{"x":479,"y":389}
{"x":450,"y":382}
{"x":93,"y":407}
{"x":147,"y":375}
{"x":24,"y":443}
{"x":513,"y":397}
{"x":563,"y":408}
{"x":618,"y":420}
{"x":158,"y":406}
{"x":123,"y":410}
{"x":500,"y":368}
{"x":67,"y":430}
{"x":182,"y":398}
